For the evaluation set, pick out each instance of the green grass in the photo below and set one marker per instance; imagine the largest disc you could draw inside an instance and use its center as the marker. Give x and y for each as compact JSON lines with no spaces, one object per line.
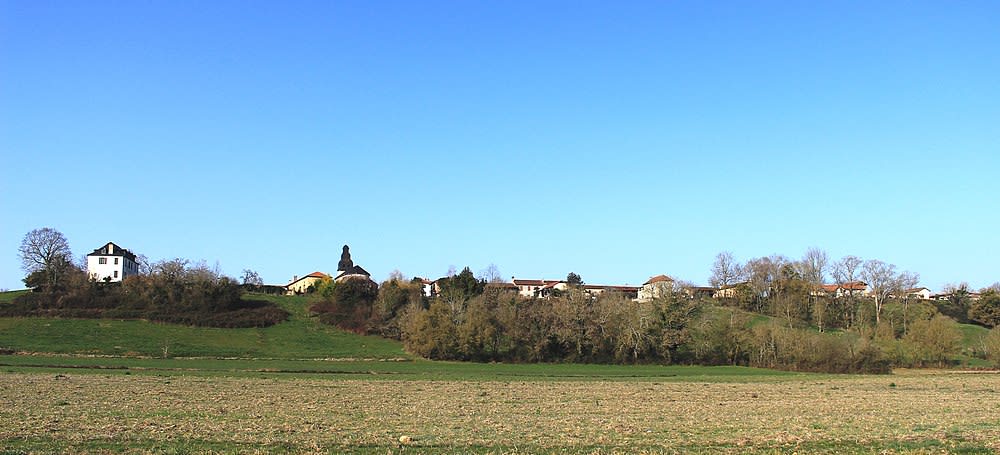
{"x":972,"y":334}
{"x":972,"y":344}
{"x":302,"y":337}
{"x":392,"y":370}
{"x":9,"y":296}
{"x":299,"y":337}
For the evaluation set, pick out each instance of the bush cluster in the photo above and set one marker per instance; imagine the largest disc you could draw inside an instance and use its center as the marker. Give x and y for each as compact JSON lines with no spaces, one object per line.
{"x":469,"y":320}
{"x":173,"y":293}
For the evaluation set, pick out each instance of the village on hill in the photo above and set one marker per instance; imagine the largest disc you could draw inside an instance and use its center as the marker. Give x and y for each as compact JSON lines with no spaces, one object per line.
{"x":868,"y":319}
{"x":112,"y":263}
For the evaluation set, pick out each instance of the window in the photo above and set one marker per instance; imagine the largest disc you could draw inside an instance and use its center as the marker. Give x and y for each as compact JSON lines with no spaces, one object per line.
{"x":102,"y":260}
{"x":116,"y":274}
{"x":116,"y":261}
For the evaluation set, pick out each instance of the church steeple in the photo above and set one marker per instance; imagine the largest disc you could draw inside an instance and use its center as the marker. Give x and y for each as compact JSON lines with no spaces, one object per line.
{"x":345,"y":260}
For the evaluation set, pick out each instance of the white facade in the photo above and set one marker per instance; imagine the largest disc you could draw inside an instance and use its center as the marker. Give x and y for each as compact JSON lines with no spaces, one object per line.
{"x":111,"y":263}
{"x":920,"y":293}
{"x":657,"y":286}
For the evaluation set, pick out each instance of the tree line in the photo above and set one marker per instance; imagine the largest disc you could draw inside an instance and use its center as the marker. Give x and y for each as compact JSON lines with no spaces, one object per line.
{"x":775,"y":319}
{"x":791,"y":289}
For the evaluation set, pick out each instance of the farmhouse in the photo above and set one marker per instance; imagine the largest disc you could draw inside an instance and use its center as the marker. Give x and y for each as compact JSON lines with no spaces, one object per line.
{"x":918,"y":293}
{"x":111,"y":263}
{"x":730,"y":291}
{"x":346,"y":270}
{"x":656,"y":287}
{"x":535,"y":288}
{"x":430,"y":288}
{"x":306,"y":283}
{"x":841,"y":290}
{"x":546,"y":288}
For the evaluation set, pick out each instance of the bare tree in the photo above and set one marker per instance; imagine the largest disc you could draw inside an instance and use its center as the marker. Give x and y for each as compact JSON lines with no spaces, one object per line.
{"x":144,"y":264}
{"x":814,"y":265}
{"x":491,"y":274}
{"x":726,"y":271}
{"x":882,"y":282}
{"x":765,"y":272}
{"x":45,"y":250}
{"x":172,"y":270}
{"x":907,"y":281}
{"x":397,"y":276}
{"x":847,"y":270}
{"x":251,"y":278}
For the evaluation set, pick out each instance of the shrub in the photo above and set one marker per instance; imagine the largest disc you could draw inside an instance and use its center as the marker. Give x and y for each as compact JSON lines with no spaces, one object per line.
{"x":175,"y":294}
{"x":934,"y":341}
{"x":986,"y":310}
{"x":992,"y":346}
{"x":346,"y":304}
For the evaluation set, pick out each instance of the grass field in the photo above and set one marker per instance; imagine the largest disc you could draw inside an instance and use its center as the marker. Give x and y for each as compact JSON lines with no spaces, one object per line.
{"x":300,"y":337}
{"x":9,"y":296}
{"x":921,"y":412}
{"x":104,"y":386}
{"x":387,"y":370}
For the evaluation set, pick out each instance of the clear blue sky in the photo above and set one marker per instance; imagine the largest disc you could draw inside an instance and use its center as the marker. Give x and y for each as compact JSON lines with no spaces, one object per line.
{"x":615,"y":141}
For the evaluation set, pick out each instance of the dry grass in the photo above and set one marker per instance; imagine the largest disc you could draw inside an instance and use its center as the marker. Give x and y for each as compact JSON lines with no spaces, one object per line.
{"x":920,"y":413}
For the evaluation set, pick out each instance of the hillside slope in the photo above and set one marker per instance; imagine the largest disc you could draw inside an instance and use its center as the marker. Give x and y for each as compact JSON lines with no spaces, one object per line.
{"x":301,"y":337}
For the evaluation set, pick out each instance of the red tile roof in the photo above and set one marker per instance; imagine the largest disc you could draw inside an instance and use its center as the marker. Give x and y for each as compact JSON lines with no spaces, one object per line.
{"x":658,"y":279}
{"x":320,"y":275}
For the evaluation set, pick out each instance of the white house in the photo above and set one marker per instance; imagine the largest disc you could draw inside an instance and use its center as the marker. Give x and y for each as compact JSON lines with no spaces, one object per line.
{"x":429,"y":287}
{"x":656,"y":287}
{"x":111,"y":263}
{"x":921,"y":293}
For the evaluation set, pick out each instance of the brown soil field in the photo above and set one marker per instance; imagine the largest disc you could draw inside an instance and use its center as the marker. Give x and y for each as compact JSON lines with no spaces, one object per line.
{"x":915,"y":412}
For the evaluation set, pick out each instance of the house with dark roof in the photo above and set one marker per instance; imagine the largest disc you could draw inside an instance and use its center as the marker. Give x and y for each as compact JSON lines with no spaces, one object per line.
{"x":347,"y":270}
{"x":111,"y":263}
{"x":921,"y":293}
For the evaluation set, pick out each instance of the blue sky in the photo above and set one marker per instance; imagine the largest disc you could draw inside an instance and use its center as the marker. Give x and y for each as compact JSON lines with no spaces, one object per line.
{"x":615,"y":141}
